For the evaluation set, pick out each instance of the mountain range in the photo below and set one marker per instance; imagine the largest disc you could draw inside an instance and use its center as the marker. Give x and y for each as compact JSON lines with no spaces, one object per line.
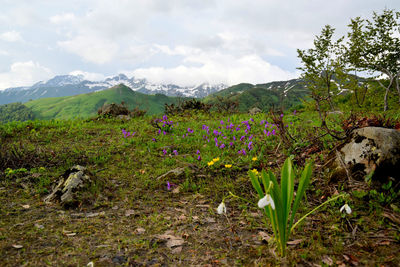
{"x":68,"y":96}
{"x":68,"y":85}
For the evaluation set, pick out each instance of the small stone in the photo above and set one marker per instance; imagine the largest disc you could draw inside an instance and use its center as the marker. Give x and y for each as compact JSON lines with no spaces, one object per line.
{"x":39,"y":226}
{"x":140,"y":230}
{"x":176,"y":190}
{"x":129,"y":213}
{"x":210,"y":220}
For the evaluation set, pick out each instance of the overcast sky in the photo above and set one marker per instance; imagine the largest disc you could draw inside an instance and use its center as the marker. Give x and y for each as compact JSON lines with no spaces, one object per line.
{"x":170,"y":41}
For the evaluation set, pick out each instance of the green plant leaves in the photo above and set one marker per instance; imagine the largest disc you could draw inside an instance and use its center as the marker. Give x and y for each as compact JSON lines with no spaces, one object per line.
{"x":282,"y":196}
{"x":303,"y":184}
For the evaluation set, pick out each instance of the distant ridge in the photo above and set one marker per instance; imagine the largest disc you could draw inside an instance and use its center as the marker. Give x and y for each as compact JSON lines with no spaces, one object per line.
{"x":285,"y":94}
{"x":86,"y":105}
{"x":68,"y":85}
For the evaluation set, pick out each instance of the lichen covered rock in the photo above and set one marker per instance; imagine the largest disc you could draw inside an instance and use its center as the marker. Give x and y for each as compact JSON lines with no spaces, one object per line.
{"x":371,"y":150}
{"x":73,"y":187}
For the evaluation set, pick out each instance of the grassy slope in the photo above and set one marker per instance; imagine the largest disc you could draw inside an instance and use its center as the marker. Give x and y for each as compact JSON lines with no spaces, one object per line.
{"x":86,"y":105}
{"x":133,"y":198}
{"x":263,"y":96}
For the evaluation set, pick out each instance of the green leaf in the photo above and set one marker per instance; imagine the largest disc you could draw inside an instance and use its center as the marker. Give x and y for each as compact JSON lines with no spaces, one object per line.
{"x":303,"y":184}
{"x":287,"y":187}
{"x":256,"y":184}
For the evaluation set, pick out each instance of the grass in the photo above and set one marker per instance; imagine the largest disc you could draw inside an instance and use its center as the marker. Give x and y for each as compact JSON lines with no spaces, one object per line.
{"x":133,"y":197}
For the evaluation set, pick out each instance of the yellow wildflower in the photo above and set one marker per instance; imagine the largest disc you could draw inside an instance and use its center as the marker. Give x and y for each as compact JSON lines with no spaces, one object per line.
{"x":254,"y":159}
{"x":254,"y":171}
{"x":215,"y":160}
{"x":228,"y":165}
{"x":210,"y":163}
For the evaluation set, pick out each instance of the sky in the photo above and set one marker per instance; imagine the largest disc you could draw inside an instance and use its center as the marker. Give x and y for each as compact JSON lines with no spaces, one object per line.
{"x":167,"y":41}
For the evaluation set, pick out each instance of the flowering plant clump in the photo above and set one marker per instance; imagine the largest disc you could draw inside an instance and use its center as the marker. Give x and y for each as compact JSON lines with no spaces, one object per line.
{"x":276,"y":200}
{"x":127,"y":134}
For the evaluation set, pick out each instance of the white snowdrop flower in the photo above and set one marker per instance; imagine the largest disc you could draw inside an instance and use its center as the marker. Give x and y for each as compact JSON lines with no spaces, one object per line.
{"x":221,"y":208}
{"x":90,"y":264}
{"x":267,"y":200}
{"x":346,"y":208}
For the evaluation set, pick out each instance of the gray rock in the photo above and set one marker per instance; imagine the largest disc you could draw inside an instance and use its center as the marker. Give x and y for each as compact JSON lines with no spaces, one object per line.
{"x":371,"y":149}
{"x":124,"y":117}
{"x":71,"y":186}
{"x":254,"y":111}
{"x":175,"y":173}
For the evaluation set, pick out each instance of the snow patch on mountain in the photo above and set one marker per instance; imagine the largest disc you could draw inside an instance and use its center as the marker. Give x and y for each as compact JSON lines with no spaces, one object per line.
{"x":67,"y":85}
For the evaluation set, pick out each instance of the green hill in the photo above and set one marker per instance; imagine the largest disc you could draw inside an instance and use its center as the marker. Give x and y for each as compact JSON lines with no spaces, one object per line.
{"x":284,"y":94}
{"x":86,"y":105}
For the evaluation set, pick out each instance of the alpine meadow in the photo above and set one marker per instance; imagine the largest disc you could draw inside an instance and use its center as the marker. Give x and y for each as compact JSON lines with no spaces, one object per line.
{"x":130,"y":172}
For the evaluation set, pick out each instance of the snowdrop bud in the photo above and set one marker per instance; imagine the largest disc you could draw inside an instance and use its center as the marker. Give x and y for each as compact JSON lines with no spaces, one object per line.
{"x":221,"y":208}
{"x":346,"y":208}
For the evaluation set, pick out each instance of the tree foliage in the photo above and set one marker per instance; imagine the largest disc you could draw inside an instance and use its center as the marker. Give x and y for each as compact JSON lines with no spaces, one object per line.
{"x":15,"y":112}
{"x":321,"y":65}
{"x":372,"y":47}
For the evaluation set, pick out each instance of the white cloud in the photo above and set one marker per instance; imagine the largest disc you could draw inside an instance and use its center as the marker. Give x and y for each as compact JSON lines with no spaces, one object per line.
{"x":91,"y":48}
{"x":63,"y":18}
{"x":175,"y":40}
{"x":3,"y":53}
{"x":91,"y":76}
{"x":213,"y":67}
{"x":24,"y":74}
{"x":11,"y":36}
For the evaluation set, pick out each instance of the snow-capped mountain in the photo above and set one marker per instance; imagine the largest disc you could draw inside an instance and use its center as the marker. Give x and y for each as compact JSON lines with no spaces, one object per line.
{"x":67,"y":85}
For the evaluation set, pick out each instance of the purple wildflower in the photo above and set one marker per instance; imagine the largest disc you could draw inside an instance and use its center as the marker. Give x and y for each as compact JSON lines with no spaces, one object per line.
{"x":250,"y":145}
{"x":168,"y":186}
